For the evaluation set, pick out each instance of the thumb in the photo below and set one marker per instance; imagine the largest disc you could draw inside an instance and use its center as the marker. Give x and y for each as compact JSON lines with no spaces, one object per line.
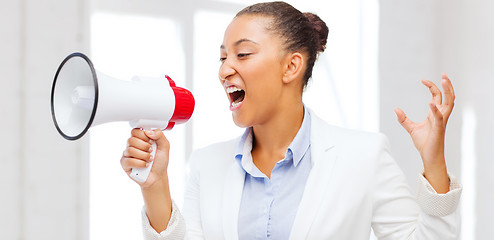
{"x":157,"y":135}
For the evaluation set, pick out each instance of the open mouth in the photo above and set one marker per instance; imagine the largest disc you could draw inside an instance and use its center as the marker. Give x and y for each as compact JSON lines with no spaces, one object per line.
{"x":236,"y":95}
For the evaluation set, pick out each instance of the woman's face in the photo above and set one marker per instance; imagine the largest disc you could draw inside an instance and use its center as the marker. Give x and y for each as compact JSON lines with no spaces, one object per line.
{"x":251,"y":70}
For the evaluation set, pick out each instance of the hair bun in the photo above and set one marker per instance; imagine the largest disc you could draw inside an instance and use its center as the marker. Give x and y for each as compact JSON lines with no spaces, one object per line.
{"x":320,"y":28}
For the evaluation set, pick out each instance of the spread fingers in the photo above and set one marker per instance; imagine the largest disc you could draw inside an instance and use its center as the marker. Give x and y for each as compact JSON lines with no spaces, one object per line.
{"x":436,"y":93}
{"x":449,"y":92}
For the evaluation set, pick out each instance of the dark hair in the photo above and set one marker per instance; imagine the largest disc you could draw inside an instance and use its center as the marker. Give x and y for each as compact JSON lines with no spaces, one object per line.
{"x":299,"y":31}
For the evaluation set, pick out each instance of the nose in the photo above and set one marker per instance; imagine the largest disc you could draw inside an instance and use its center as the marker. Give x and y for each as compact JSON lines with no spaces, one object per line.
{"x":226,"y":71}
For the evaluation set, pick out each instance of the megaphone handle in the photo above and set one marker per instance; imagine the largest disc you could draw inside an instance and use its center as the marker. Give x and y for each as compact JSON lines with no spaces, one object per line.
{"x":141,"y":174}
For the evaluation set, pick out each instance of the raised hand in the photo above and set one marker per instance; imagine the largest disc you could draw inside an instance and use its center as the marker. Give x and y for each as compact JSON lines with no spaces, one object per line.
{"x":428,"y":135}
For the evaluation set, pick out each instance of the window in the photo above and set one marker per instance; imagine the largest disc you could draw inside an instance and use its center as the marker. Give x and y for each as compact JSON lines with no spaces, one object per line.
{"x":124,"y":46}
{"x":212,"y":120}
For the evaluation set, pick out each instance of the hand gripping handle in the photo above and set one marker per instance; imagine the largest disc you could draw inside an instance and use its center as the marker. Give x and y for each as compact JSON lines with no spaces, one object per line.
{"x":141,"y":174}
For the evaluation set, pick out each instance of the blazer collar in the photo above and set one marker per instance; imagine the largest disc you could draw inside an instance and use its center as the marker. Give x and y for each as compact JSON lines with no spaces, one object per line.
{"x":232,"y":196}
{"x":323,"y":156}
{"x":322,"y":137}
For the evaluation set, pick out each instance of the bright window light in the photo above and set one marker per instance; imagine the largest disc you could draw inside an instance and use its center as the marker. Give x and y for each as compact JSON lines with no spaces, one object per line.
{"x":212,"y":117}
{"x":468,"y":173}
{"x":344,"y":87}
{"x":124,"y":46}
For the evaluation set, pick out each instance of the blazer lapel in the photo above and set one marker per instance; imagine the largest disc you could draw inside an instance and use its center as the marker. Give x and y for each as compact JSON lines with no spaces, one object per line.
{"x":232,"y":196}
{"x":323,"y":156}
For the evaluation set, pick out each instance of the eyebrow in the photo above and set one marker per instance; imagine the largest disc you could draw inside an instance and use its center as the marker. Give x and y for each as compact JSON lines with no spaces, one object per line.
{"x":239,"y":42}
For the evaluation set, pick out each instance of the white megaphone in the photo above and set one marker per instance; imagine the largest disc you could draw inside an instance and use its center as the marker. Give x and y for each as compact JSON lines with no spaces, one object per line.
{"x":82,"y":97}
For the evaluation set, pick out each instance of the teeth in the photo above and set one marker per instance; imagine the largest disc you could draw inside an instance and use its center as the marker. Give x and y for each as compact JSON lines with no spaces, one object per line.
{"x":235,"y":104}
{"x":232,"y":89}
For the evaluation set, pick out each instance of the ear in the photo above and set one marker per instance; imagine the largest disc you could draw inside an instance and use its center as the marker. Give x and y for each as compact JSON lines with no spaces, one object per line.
{"x":294,"y":63}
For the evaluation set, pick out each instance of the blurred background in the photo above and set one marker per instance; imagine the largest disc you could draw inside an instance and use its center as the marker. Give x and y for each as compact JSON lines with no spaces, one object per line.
{"x":377,"y":52}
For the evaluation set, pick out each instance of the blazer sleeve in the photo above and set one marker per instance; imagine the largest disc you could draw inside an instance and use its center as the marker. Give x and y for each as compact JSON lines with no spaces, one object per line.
{"x":174,"y":230}
{"x":398,"y":215}
{"x":192,"y":207}
{"x":185,"y":225}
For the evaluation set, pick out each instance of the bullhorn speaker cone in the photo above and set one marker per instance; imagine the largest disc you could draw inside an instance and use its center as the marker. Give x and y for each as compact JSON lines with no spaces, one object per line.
{"x":82,"y":97}
{"x":75,"y":83}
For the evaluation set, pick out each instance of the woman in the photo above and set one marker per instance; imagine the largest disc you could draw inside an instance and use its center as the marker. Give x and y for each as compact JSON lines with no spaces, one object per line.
{"x":292,"y":176}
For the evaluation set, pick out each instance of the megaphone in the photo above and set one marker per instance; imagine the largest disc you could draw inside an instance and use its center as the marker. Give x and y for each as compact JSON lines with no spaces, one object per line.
{"x":82,"y":97}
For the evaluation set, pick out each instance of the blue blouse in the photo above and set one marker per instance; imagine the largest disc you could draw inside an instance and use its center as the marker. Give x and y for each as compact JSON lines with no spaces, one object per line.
{"x":269,"y":206}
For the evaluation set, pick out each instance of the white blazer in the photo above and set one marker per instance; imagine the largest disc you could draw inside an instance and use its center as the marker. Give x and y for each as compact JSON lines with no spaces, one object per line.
{"x":354,"y":185}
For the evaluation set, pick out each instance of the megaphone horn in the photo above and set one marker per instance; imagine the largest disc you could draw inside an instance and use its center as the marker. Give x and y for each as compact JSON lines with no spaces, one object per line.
{"x":82,"y":97}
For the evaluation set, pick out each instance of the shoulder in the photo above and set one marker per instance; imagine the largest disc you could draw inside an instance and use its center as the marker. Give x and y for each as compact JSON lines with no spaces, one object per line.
{"x":225,"y":147}
{"x":321,"y":131}
{"x":359,"y":153}
{"x":214,"y":155}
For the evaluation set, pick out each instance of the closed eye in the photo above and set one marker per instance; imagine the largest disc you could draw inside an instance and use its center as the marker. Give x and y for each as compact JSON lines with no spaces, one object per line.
{"x":240,"y":55}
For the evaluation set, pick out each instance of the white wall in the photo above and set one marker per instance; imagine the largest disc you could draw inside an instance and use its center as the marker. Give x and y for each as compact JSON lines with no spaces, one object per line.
{"x":475,"y":65}
{"x":409,"y":51}
{"x":422,"y":39}
{"x":43,"y":183}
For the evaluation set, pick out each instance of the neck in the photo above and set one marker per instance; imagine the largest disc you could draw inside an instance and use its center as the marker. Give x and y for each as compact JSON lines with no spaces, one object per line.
{"x":272,"y":138}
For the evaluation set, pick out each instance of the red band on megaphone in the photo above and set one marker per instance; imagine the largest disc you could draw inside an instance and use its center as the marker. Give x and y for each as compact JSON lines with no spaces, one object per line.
{"x":184,"y":103}
{"x":170,"y":126}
